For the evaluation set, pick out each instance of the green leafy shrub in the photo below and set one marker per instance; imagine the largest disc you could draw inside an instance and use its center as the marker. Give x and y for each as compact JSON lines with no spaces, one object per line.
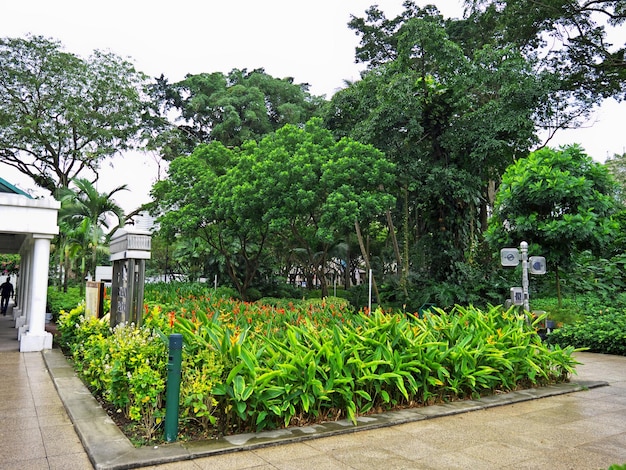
{"x":75,"y":330}
{"x":604,"y":332}
{"x":169,"y":293}
{"x":126,"y":366}
{"x":311,"y":369}
{"x":201,"y":371}
{"x":569,"y":311}
{"x":9,"y":264}
{"x":59,"y":301}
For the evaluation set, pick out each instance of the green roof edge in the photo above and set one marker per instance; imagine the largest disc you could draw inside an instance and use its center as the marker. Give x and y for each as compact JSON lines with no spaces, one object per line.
{"x":14,"y":189}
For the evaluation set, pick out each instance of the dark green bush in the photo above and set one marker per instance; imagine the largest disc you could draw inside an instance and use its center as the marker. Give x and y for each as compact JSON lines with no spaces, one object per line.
{"x":604,"y":332}
{"x":59,"y":300}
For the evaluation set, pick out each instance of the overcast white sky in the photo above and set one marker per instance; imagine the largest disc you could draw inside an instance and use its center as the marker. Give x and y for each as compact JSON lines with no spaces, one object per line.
{"x":306,"y":40}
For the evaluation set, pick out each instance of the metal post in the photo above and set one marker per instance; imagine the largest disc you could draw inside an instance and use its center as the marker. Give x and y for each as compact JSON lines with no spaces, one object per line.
{"x":524,"y":251}
{"x":172,"y":392}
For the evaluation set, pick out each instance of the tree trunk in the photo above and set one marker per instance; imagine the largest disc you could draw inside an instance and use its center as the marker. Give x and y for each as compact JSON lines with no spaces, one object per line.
{"x":348,"y":265}
{"x":67,"y":266}
{"x":557,"y":278}
{"x":405,"y":267}
{"x":366,"y":257}
{"x":394,"y":242}
{"x":396,"y":249}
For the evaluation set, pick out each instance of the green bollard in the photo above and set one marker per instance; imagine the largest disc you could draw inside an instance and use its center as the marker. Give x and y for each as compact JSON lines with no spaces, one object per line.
{"x":172,"y":392}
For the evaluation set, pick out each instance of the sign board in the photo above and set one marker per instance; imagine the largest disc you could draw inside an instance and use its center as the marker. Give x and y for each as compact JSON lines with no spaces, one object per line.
{"x":517,"y":296}
{"x":537,"y":264}
{"x":94,"y":299}
{"x":509,"y":256}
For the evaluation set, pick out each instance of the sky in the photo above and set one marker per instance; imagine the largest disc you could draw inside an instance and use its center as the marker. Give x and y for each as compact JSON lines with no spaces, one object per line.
{"x":307,"y":40}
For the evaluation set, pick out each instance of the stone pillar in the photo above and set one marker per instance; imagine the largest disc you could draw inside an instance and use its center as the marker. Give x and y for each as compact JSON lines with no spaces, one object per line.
{"x":129,"y":252}
{"x":36,"y":338}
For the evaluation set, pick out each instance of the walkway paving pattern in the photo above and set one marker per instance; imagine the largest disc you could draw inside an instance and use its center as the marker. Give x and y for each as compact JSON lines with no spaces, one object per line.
{"x":45,"y":414}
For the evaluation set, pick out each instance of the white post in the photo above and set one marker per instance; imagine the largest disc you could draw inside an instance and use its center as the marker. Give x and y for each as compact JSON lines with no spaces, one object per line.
{"x":215,"y":282}
{"x":23,"y":299}
{"x":369,"y":304}
{"x":37,"y":338}
{"x":524,"y":251}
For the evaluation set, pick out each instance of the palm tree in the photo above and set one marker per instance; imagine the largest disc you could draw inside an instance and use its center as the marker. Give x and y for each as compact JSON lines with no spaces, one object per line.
{"x":92,"y":218}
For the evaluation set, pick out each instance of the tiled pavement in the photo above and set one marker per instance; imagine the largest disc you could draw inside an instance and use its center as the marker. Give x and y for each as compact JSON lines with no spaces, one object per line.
{"x":576,"y":430}
{"x":35,"y":430}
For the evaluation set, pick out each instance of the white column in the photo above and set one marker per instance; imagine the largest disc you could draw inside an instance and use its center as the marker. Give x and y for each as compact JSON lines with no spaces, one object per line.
{"x":37,"y":338}
{"x":19,"y":314}
{"x":21,"y":293}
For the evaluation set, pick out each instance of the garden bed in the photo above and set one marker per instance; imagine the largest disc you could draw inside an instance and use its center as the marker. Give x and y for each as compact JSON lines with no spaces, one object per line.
{"x":250,"y":367}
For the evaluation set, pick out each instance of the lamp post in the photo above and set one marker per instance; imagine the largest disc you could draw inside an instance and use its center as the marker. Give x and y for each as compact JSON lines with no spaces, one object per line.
{"x":523,"y":248}
{"x":535,"y":265}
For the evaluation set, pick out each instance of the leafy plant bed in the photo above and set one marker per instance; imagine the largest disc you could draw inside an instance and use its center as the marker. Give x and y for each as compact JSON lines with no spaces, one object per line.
{"x":136,"y":434}
{"x":249,"y":367}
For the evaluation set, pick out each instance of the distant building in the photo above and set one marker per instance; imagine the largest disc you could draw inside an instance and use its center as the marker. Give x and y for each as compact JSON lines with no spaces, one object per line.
{"x":144,"y":221}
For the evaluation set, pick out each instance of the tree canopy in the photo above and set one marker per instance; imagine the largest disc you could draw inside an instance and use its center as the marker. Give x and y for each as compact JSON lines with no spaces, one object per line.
{"x":559,"y":200}
{"x":232,"y":109}
{"x":451,"y":120}
{"x":61,"y":115}
{"x":572,"y":36}
{"x":297,"y":188}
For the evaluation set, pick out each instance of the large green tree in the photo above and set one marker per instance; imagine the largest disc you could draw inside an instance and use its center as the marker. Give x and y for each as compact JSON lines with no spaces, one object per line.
{"x":314,"y":191}
{"x":61,"y":115}
{"x":576,"y":45}
{"x":232,"y":109}
{"x":191,"y":206}
{"x":574,"y":34}
{"x":450,"y":118}
{"x":560,"y":201}
{"x":296,"y":189}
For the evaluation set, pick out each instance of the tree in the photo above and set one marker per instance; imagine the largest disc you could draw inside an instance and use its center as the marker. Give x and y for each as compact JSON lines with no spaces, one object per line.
{"x":312,"y":190}
{"x":231,"y":109}
{"x":9,"y":264}
{"x":87,"y":213}
{"x":451,"y":119}
{"x":296,"y":189}
{"x":617,"y":167}
{"x":572,"y":42}
{"x":560,"y":201}
{"x":61,"y":115}
{"x":191,"y":204}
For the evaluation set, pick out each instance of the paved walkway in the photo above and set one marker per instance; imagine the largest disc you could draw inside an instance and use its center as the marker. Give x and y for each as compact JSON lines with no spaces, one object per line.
{"x":45,"y":413}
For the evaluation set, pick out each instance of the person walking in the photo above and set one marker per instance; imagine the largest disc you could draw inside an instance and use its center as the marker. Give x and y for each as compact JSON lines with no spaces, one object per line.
{"x":6,"y":292}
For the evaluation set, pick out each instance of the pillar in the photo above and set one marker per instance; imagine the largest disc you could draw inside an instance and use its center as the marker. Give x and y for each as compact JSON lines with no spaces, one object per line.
{"x":37,"y":338}
{"x":23,"y":300}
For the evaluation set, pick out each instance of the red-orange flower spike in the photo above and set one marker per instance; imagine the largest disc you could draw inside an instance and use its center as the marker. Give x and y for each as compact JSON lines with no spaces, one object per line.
{"x":171,"y":316}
